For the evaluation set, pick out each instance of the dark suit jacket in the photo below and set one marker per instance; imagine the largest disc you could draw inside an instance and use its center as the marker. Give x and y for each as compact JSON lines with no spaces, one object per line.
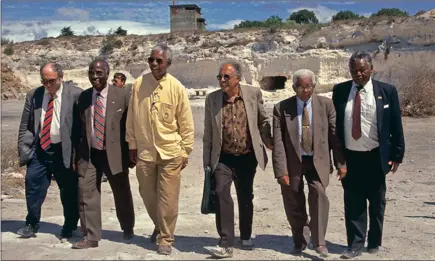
{"x":258,"y":121}
{"x":389,"y":120}
{"x":28,"y":133}
{"x":116,"y":115}
{"x":286,"y":153}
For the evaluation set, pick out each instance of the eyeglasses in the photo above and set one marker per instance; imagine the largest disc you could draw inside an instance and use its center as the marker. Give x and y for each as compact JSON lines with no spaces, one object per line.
{"x":151,"y":60}
{"x":49,"y":81}
{"x":307,"y":87}
{"x":225,"y":76}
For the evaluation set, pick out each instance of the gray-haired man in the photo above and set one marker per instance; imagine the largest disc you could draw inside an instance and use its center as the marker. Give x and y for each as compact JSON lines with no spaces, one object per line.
{"x":160,"y":137}
{"x":236,"y":132}
{"x":303,"y":132}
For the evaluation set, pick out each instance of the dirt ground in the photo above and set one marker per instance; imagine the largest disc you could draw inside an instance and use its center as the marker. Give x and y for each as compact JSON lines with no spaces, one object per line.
{"x":409,"y":229}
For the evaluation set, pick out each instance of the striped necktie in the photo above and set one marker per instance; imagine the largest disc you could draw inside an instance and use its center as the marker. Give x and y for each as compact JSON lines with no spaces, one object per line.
{"x":307,"y":134}
{"x":99,"y":122}
{"x":45,"y":140}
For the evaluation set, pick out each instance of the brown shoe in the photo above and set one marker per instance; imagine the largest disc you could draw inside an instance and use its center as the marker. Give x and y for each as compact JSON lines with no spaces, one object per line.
{"x":322,"y":251}
{"x":85,"y":244}
{"x":164,"y":250}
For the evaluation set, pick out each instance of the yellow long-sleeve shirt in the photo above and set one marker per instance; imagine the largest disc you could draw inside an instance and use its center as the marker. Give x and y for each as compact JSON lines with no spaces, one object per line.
{"x":159,"y":119}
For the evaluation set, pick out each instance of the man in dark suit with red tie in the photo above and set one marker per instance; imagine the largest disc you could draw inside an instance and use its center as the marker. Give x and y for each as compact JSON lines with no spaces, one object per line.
{"x":45,"y":146}
{"x":369,"y":125}
{"x":101,"y":148}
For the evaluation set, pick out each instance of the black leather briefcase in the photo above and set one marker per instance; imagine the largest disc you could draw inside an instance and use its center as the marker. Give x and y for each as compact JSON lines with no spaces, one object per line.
{"x":208,"y":204}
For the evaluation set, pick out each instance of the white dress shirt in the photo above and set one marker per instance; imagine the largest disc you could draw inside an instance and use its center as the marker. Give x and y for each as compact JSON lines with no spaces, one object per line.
{"x":369,"y":128}
{"x":55,"y":121}
{"x":94,"y":99}
{"x":300,"y":107}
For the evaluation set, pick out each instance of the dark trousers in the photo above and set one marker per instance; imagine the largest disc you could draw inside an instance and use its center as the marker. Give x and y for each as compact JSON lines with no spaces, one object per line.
{"x":90,"y":196}
{"x":295,"y":209}
{"x":242,"y":170}
{"x":40,"y":169}
{"x":365,"y":181}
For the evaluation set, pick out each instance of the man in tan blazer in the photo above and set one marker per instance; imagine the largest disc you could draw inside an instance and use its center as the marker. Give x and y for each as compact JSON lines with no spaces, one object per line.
{"x":99,"y":138}
{"x":303,"y":132}
{"x":236,"y":132}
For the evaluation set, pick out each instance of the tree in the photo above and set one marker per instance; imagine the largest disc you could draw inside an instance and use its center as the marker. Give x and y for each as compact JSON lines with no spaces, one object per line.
{"x":304,"y":17}
{"x":66,"y":31}
{"x":390,"y":12}
{"x":120,"y":31}
{"x":420,"y":13}
{"x":273,"y":21}
{"x":345,"y":15}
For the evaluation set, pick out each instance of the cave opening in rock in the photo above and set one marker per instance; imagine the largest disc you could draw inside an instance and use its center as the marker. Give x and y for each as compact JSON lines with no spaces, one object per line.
{"x":272,"y":83}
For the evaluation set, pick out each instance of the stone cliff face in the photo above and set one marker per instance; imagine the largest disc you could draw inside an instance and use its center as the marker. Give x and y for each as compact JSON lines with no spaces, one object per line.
{"x":267,"y":56}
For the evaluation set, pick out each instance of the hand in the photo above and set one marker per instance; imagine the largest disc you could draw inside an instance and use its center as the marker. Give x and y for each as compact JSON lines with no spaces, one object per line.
{"x":284,"y":180}
{"x":133,"y":156}
{"x":341,"y":173}
{"x":184,"y":163}
{"x":74,"y":167}
{"x":395,"y":166}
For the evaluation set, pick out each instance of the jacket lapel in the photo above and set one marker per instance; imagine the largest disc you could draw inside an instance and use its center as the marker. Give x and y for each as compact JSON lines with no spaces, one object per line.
{"x":110,"y":106}
{"x":317,"y":120}
{"x":379,"y":97}
{"x":88,"y":117}
{"x":65,"y":104}
{"x":248,"y":101}
{"x":37,"y":105}
{"x":217,"y":106}
{"x":293,"y":125}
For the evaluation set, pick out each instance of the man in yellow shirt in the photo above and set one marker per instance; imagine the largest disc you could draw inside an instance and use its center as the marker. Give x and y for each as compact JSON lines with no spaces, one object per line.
{"x":160,"y":136}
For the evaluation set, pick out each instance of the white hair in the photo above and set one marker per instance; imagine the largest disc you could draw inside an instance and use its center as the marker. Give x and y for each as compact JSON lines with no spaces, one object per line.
{"x":304,"y":73}
{"x":163,"y":47}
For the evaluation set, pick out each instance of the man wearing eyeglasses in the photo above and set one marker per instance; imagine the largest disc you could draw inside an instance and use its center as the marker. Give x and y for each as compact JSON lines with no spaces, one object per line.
{"x":236,"y":132}
{"x":45,"y":146}
{"x":160,"y":135}
{"x":303,"y":132}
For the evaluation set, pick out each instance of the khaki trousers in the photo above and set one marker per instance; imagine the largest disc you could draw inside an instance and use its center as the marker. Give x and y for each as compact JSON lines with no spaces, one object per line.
{"x":159,"y":187}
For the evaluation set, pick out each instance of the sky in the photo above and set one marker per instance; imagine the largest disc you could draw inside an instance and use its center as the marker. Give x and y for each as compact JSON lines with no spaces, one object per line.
{"x":32,"y":20}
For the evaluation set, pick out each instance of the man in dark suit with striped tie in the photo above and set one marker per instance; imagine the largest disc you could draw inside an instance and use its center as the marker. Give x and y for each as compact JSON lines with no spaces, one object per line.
{"x":101,"y":148}
{"x":45,"y":146}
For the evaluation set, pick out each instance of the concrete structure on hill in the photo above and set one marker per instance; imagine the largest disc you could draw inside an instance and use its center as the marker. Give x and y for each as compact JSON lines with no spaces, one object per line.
{"x":186,"y":18}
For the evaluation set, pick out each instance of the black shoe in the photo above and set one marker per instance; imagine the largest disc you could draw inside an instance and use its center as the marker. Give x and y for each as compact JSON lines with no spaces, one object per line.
{"x":153,"y":237}
{"x":349,"y":254}
{"x":372,"y":250}
{"x":66,"y":234}
{"x":28,"y":231}
{"x":127,"y":235}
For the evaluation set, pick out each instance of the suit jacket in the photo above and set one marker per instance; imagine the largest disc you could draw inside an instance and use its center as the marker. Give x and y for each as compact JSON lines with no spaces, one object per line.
{"x":128,"y":87}
{"x":116,"y":115}
{"x":30,"y":125}
{"x":389,"y":120}
{"x":286,"y":153}
{"x":258,"y":121}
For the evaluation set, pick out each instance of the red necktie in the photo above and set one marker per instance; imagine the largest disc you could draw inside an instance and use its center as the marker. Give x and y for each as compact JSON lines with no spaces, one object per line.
{"x":356,"y":115}
{"x":99,"y":122}
{"x":45,"y":140}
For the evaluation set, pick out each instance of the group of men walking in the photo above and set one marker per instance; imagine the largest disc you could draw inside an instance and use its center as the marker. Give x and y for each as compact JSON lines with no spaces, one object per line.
{"x":81,"y":136}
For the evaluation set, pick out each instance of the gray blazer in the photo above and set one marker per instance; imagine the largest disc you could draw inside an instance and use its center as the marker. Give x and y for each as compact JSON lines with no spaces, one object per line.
{"x":258,"y":121}
{"x":116,"y":115}
{"x":28,"y":133}
{"x":286,"y":154}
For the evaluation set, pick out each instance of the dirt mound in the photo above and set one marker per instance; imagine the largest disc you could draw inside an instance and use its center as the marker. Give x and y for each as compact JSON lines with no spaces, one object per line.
{"x":429,"y":14}
{"x":11,"y":84}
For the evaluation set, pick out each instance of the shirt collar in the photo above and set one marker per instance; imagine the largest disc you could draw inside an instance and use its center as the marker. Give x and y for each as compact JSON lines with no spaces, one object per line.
{"x":301,"y":103}
{"x":57,"y":94}
{"x":225,"y":96}
{"x":103,"y":93}
{"x":164,"y":78}
{"x":366,"y":87}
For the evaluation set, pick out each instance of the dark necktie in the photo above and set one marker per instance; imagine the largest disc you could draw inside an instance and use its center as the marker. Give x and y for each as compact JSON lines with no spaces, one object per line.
{"x":99,"y":122}
{"x":307,"y":136}
{"x":356,"y":114}
{"x":45,"y":140}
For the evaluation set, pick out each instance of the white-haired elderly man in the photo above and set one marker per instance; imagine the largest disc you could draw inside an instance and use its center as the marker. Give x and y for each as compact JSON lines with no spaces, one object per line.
{"x":303,"y":132}
{"x":160,"y":137}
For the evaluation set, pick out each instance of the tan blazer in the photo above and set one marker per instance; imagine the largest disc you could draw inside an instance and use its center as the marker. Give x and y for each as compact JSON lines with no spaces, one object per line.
{"x":286,"y":153}
{"x":258,"y":121}
{"x":116,"y":115}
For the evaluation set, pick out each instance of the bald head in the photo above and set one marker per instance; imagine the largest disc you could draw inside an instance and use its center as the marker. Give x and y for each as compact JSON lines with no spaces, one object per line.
{"x":51,"y":67}
{"x":98,"y":74}
{"x":100,"y":63}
